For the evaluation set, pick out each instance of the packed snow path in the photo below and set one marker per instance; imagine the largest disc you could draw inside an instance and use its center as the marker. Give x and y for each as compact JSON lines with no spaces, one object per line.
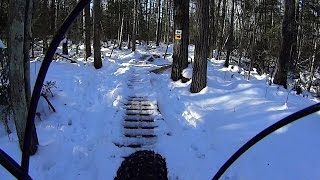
{"x":141,"y":111}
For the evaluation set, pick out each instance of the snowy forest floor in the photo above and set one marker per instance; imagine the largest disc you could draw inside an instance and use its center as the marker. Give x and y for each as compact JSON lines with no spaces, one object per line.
{"x":200,"y":131}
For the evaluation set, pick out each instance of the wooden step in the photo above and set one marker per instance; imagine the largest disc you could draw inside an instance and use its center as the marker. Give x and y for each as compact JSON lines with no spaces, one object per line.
{"x":140,"y":135}
{"x":140,"y":107}
{"x":140,"y":103}
{"x":139,"y":117}
{"x":129,"y":145}
{"x":140,"y":127}
{"x":139,"y":100}
{"x":138,"y":114}
{"x":138,"y":123}
{"x":139,"y":120}
{"x":140,"y":111}
{"x":138,"y":131}
{"x":136,"y":108}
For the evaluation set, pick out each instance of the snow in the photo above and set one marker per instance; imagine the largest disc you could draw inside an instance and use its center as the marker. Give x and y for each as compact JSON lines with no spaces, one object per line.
{"x":199,"y":132}
{"x":2,"y":46}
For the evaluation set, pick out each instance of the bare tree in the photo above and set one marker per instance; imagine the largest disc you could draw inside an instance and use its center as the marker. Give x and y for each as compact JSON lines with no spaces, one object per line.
{"x":96,"y":35}
{"x":134,"y":26}
{"x":230,"y":38}
{"x":87,"y":30}
{"x":158,"y":24}
{"x":199,"y":74}
{"x":121,"y":19}
{"x":26,"y":50}
{"x":222,"y":24}
{"x":212,"y":25}
{"x":185,"y":34}
{"x":287,"y":49}
{"x":65,"y":46}
{"x":180,"y":53}
{"x":314,"y":54}
{"x":19,"y":36}
{"x":52,"y":17}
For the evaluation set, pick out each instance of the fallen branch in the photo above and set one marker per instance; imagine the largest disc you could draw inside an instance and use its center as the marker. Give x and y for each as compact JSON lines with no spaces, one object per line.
{"x":58,"y":54}
{"x":49,"y":103}
{"x":161,"y":69}
{"x":72,"y":61}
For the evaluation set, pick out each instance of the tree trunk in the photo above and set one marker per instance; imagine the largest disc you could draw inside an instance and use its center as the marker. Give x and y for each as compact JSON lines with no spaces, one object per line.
{"x":134,"y":25}
{"x":129,"y":40}
{"x":139,"y":25}
{"x":74,"y":32}
{"x":57,"y":12}
{"x":288,"y":38}
{"x":26,"y":50}
{"x":121,"y":18}
{"x":315,"y":52}
{"x":65,"y":47}
{"x":180,"y":51}
{"x":45,"y":45}
{"x":312,"y":69}
{"x":17,"y":59}
{"x":176,"y":71}
{"x":230,"y":39}
{"x":53,"y":17}
{"x":212,"y":28}
{"x":81,"y":26}
{"x":300,"y":30}
{"x":96,"y":36}
{"x":148,"y":14}
{"x":253,"y":54}
{"x":120,"y":33}
{"x":220,"y":43}
{"x":87,"y":30}
{"x":217,"y":23}
{"x":185,"y":34}
{"x":158,"y":24}
{"x":199,"y":74}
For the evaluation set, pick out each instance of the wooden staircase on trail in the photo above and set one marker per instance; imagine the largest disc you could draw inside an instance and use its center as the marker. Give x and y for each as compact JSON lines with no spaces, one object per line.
{"x":139,"y":125}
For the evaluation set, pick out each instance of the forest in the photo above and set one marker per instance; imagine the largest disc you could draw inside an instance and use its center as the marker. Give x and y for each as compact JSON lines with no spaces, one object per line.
{"x":255,"y":30}
{"x":274,"y":40}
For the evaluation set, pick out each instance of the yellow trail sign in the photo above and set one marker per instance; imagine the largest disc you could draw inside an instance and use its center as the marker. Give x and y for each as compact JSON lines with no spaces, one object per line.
{"x":178,"y":34}
{"x":177,"y":37}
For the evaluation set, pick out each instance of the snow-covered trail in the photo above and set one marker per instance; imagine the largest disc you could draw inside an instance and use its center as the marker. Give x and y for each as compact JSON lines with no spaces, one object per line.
{"x":197,"y":134}
{"x":142,"y":123}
